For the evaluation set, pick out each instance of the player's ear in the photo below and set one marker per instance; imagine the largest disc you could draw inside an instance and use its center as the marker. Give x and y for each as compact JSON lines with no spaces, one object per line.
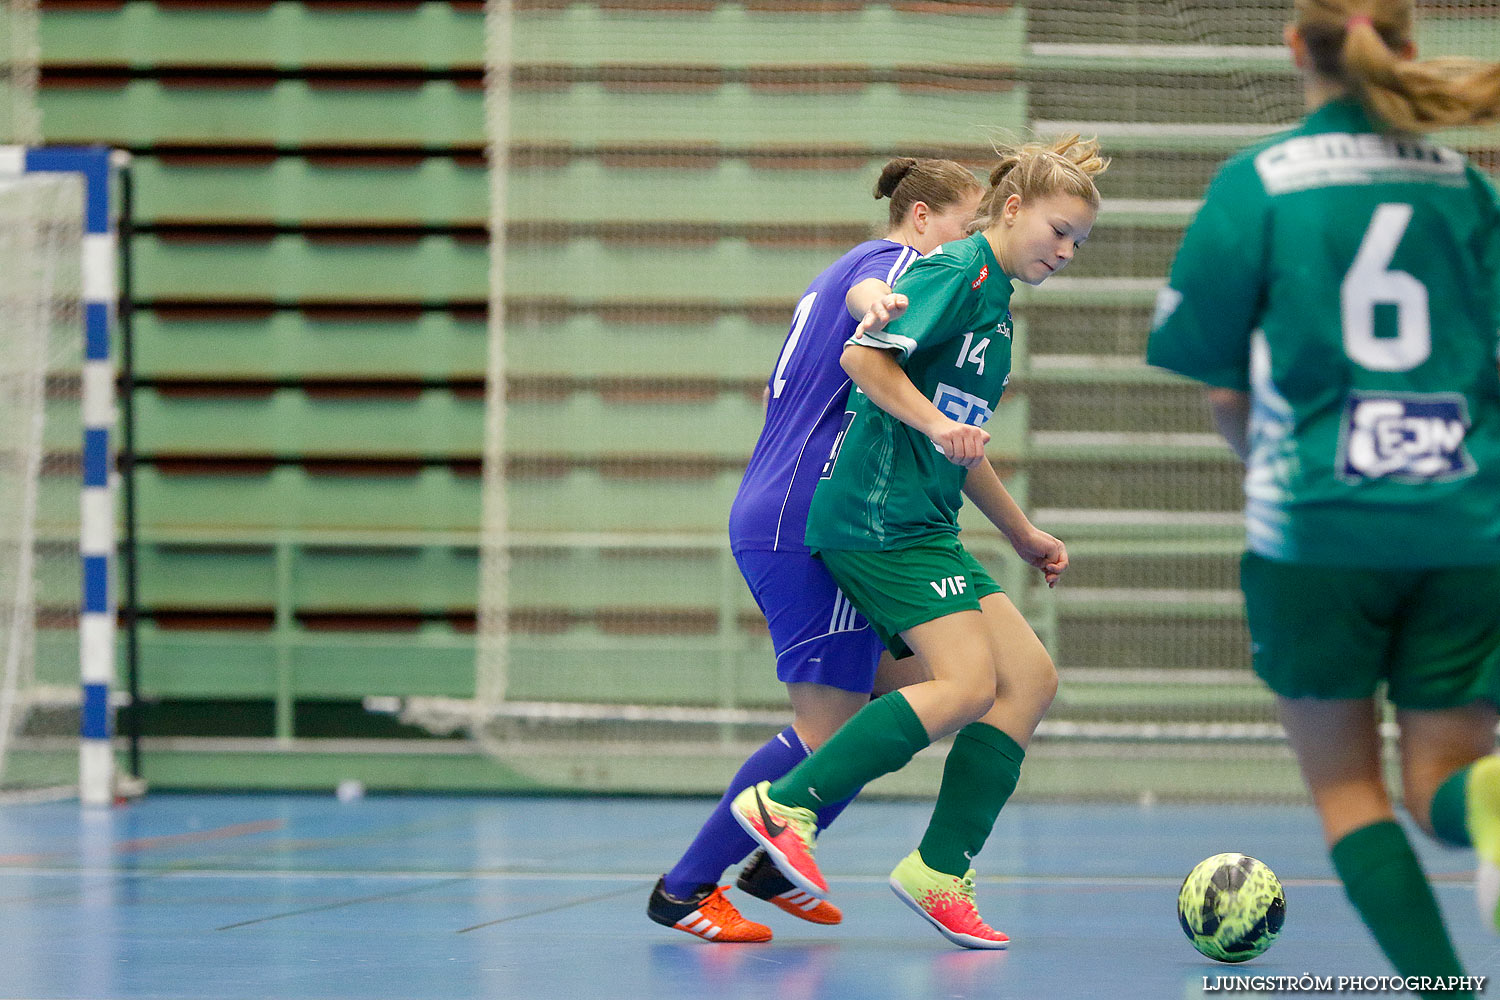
{"x":1293,"y":39}
{"x":1011,"y":208}
{"x":920,"y":214}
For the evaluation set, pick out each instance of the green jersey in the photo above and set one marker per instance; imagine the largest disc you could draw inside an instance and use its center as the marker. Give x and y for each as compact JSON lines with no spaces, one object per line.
{"x":886,"y":485}
{"x":1347,"y":279}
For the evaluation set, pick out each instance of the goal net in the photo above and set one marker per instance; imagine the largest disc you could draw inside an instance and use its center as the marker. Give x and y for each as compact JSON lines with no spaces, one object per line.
{"x":668,"y":178}
{"x":41,"y":337}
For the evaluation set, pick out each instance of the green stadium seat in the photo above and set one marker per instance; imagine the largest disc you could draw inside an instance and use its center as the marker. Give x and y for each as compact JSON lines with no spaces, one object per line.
{"x":440,"y":113}
{"x":392,"y":496}
{"x":736,"y":34}
{"x":310,"y":188}
{"x":437,"y":35}
{"x":143,"y":112}
{"x":289,"y":344}
{"x":318,"y":575}
{"x":1146,"y":638}
{"x":441,"y":268}
{"x":547,"y":418}
{"x":434,"y":268}
{"x":297,"y":663}
{"x":208,"y":341}
{"x":441,"y":35}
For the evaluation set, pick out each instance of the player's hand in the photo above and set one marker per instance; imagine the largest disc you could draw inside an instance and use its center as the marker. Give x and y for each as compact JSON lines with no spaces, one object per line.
{"x":885,"y":309}
{"x":1043,"y":551}
{"x":961,"y":444}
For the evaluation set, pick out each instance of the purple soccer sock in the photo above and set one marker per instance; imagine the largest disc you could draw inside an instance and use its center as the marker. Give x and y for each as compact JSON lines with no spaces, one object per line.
{"x":721,"y":842}
{"x":828,"y":814}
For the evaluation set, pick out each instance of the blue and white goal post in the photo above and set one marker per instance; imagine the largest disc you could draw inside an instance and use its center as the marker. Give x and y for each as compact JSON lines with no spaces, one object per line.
{"x":97,"y":536}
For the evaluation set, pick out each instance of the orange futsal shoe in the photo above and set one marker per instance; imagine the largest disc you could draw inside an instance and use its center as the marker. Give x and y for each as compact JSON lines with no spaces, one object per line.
{"x":706,"y":914}
{"x":788,"y":834}
{"x":761,"y":879}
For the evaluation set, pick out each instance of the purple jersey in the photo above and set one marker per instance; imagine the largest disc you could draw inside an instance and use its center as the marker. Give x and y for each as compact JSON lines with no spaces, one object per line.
{"x":806,"y":410}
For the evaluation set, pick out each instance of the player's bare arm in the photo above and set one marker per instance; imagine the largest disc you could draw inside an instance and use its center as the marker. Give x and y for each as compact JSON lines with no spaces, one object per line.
{"x":1046,"y":552}
{"x":873,"y":296}
{"x":1231,"y":413}
{"x":878,"y":375}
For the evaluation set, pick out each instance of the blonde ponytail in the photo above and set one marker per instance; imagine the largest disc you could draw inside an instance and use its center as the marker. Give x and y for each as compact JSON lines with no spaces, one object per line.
{"x":1066,"y":165}
{"x":1359,"y":43}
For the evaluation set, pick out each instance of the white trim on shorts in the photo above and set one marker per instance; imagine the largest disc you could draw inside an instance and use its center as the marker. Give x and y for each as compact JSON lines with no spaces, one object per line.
{"x":842,"y":620}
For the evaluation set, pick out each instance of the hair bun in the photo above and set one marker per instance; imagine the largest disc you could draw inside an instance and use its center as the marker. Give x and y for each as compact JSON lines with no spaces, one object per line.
{"x":1004,"y":167}
{"x":892,"y":175}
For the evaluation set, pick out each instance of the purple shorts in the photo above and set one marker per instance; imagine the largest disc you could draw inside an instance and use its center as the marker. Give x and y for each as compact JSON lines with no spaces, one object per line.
{"x":818,"y":636}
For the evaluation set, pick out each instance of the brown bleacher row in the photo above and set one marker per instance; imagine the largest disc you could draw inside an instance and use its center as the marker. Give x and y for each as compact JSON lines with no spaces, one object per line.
{"x":533,"y":76}
{"x":655,"y":7}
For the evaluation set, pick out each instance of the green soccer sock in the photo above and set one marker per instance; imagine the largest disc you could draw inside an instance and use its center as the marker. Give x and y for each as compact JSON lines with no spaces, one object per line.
{"x":981,"y":772}
{"x":1385,"y":882}
{"x":1465,"y":809}
{"x":881,"y":738}
{"x":1450,"y":810}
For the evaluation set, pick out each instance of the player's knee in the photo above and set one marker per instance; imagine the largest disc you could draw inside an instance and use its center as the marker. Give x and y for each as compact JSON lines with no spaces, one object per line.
{"x":972,"y":700}
{"x":1046,"y":679}
{"x":817,"y":726}
{"x":1418,"y":802}
{"x":1032,"y":678}
{"x":813,"y":733}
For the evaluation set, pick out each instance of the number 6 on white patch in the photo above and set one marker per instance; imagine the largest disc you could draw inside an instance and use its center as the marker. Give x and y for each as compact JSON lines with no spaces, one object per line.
{"x":1370,"y":283}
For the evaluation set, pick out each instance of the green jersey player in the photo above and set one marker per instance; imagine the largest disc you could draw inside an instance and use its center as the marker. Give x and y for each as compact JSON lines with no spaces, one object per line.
{"x":884,"y":522}
{"x":1338,"y":294}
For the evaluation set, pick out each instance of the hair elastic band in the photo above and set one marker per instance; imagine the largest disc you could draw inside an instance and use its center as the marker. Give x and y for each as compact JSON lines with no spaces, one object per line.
{"x":1358,"y":19}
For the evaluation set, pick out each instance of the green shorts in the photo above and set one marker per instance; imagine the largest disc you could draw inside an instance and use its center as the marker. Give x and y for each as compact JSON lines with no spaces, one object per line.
{"x":1432,"y":635}
{"x":898,"y":588}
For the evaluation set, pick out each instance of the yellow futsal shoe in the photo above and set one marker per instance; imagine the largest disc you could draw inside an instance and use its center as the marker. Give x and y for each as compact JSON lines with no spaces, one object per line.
{"x":787,"y":833}
{"x":1483,"y":795}
{"x":946,"y":902}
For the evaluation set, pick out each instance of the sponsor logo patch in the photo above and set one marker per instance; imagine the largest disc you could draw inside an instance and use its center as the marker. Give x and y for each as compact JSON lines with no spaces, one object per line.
{"x":965,"y":407}
{"x":984,"y":272}
{"x":1415,"y":438}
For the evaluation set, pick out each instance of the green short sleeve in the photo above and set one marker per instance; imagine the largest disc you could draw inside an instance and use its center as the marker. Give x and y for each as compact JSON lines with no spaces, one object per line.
{"x":1212,"y":302}
{"x":938,"y":300}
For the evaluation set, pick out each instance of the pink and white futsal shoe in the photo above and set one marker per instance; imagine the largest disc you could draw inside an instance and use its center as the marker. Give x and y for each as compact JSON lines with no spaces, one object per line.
{"x":788,"y":834}
{"x":946,"y":902}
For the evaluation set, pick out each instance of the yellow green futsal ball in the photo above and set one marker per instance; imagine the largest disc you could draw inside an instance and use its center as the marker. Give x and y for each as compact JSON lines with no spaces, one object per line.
{"x":1231,"y":907}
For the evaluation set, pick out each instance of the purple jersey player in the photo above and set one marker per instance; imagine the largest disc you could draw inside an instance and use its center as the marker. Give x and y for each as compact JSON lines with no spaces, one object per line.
{"x":826,"y":653}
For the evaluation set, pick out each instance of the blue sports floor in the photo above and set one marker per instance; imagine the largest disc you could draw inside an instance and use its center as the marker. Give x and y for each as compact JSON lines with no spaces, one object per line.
{"x":410,"y":898}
